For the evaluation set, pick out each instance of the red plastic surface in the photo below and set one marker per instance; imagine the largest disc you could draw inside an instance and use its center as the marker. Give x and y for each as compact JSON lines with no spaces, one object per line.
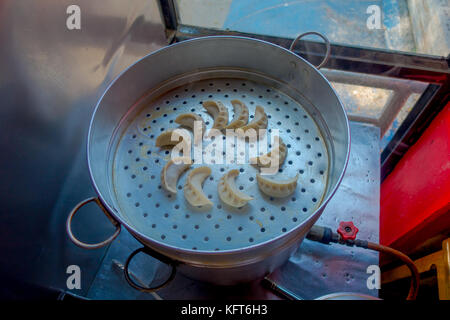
{"x":347,"y":230}
{"x":417,"y":192}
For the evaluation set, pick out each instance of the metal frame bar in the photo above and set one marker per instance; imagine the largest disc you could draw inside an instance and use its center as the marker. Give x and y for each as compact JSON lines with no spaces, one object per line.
{"x":432,"y":70}
{"x":386,"y":63}
{"x":430,"y":103}
{"x":169,"y":14}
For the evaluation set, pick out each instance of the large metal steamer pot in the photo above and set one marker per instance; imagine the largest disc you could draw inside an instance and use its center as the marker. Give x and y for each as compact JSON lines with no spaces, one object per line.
{"x":197,"y":60}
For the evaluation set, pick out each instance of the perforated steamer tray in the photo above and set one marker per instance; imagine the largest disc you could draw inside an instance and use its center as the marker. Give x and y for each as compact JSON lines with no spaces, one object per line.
{"x":136,"y":163}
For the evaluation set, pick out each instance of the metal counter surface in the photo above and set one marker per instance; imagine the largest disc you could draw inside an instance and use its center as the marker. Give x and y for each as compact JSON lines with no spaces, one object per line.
{"x":313,"y":271}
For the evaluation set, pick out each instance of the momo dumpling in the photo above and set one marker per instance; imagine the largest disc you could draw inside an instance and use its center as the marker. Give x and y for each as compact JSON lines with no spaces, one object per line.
{"x":276,"y":188}
{"x":240,"y":117}
{"x":259,"y":120}
{"x":172,"y":137}
{"x":278,"y":155}
{"x":228,"y":192}
{"x":188,"y":120}
{"x":193,"y":189}
{"x":172,"y":171}
{"x":219,"y":113}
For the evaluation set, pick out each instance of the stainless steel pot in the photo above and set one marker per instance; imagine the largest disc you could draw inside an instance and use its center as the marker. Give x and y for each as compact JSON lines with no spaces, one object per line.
{"x":223,"y":246}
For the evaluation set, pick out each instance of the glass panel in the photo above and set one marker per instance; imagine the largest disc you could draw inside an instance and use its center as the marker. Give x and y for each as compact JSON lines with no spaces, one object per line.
{"x":362,"y":100}
{"x":401,"y":116}
{"x":203,"y":13}
{"x":402,"y":25}
{"x":382,"y":101}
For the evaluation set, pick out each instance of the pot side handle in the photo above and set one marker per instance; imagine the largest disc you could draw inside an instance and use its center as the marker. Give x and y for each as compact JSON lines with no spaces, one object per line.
{"x":89,"y":245}
{"x":327,"y":44}
{"x":156,"y":255}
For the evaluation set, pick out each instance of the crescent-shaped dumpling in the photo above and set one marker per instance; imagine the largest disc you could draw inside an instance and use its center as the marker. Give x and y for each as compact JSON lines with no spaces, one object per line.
{"x":165,"y":138}
{"x":228,"y":192}
{"x":277,"y":154}
{"x":240,"y":117}
{"x":193,"y":191}
{"x":277,"y":188}
{"x":188,"y":120}
{"x":259,"y":120}
{"x":219,"y":112}
{"x":172,"y":171}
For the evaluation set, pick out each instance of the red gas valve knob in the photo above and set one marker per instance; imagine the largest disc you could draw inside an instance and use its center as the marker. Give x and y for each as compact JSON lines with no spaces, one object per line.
{"x":347,"y":230}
